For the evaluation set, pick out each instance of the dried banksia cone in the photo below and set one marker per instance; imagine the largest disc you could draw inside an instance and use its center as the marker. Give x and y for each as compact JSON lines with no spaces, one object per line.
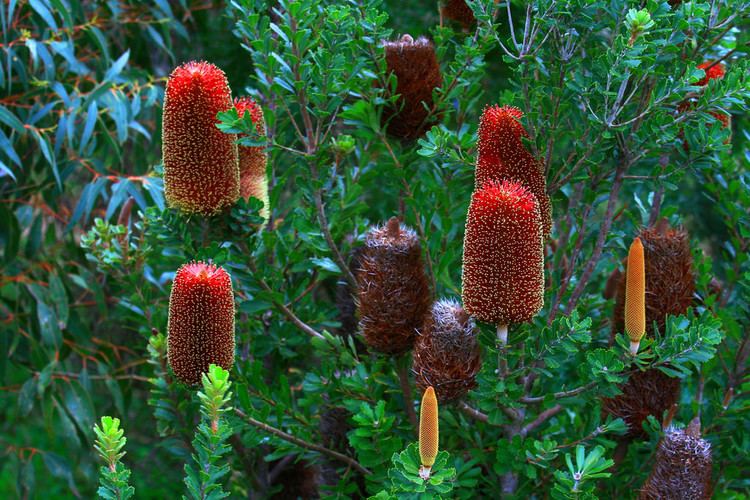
{"x":301,"y":479}
{"x":201,"y":169}
{"x":503,"y":263}
{"x":635,"y":296}
{"x":333,"y":426}
{"x":393,"y":291}
{"x":428,"y":432}
{"x":458,"y":11}
{"x":649,"y":392}
{"x":682,"y":468}
{"x":201,"y":321}
{"x":670,"y":282}
{"x":418,"y":73}
{"x":253,"y":178}
{"x":446,"y":353}
{"x":501,"y":155}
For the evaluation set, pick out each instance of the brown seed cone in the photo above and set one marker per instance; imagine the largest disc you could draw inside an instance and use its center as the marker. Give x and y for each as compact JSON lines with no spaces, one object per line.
{"x":334,"y":425}
{"x":682,"y":469}
{"x":503,"y":260}
{"x":458,"y":11}
{"x":446,"y":353}
{"x":201,"y":321}
{"x":649,"y":392}
{"x":670,"y":283}
{"x":301,"y":479}
{"x":393,"y":294}
{"x":418,"y":73}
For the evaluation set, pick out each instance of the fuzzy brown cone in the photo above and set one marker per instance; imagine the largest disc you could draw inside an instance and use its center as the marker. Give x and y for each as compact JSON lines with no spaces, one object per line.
{"x":446,"y":353}
{"x":458,"y":11}
{"x":393,"y":291}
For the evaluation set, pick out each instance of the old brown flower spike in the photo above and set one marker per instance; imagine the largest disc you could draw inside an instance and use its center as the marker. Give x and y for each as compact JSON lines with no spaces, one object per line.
{"x":393,"y":292}
{"x":418,"y":73}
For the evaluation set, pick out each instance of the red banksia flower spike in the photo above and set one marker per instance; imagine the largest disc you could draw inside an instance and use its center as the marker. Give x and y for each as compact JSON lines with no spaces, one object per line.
{"x":650,"y":392}
{"x":253,"y":177}
{"x":446,"y":353}
{"x":429,"y":432}
{"x":503,"y":260}
{"x":635,"y":296}
{"x":712,"y":71}
{"x":201,"y":166}
{"x":418,"y":73}
{"x":682,"y":467}
{"x":458,"y":11}
{"x":201,"y":321}
{"x":501,"y":155}
{"x":393,"y":292}
{"x":670,"y":281}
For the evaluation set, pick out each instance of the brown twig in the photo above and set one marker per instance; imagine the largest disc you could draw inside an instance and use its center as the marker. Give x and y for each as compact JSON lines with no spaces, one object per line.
{"x":403,"y":378}
{"x":540,"y":419}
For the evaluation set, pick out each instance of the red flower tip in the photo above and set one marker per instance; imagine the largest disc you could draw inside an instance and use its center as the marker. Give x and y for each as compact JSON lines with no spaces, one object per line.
{"x":248,"y":104}
{"x":712,"y":72}
{"x":503,"y":262}
{"x":253,"y":159}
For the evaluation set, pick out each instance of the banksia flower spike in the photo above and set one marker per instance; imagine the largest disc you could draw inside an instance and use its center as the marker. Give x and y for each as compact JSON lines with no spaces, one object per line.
{"x":428,"y":432}
{"x":635,"y":296}
{"x":712,"y":71}
{"x":503,"y":262}
{"x":393,"y":291}
{"x":649,"y":392}
{"x":682,"y":469}
{"x":446,"y":353}
{"x":201,"y":321}
{"x":458,"y":11}
{"x":418,"y":73}
{"x":201,"y":169}
{"x":253,"y":178}
{"x":670,"y":281}
{"x":501,"y":155}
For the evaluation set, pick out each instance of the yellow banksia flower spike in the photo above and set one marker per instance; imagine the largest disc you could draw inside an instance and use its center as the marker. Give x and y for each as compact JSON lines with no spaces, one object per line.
{"x":635,"y":296}
{"x":428,"y":432}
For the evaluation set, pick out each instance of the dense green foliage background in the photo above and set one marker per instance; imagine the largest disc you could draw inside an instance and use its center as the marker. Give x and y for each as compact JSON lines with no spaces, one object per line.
{"x":88,"y":248}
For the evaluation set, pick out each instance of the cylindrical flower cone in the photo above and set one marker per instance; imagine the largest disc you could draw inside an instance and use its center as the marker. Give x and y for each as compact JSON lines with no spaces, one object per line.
{"x":201,"y":166}
{"x":670,"y":281}
{"x":429,"y":433}
{"x":682,"y":468}
{"x":713,"y":72}
{"x":458,"y":11}
{"x":418,"y":73}
{"x":650,"y":392}
{"x":393,"y":291}
{"x":446,"y":353}
{"x":253,"y":177}
{"x":501,"y":155}
{"x":503,"y":260}
{"x":201,"y":321}
{"x":635,"y":296}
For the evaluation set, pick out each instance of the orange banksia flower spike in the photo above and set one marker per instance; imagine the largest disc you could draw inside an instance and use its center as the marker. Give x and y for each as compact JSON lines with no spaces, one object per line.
{"x":501,"y":155}
{"x":201,"y":321}
{"x":635,"y":296}
{"x":393,"y":291}
{"x":458,"y":11}
{"x":429,"y":433}
{"x":712,"y":71}
{"x":201,"y":166}
{"x":446,"y":353}
{"x":253,"y":178}
{"x":503,"y":260}
{"x":418,"y":73}
{"x":682,"y":468}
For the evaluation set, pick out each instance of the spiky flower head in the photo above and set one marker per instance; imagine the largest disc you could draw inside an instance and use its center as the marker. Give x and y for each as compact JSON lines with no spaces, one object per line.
{"x":501,"y":155}
{"x":418,"y":73}
{"x":649,"y":392}
{"x":670,"y":281}
{"x":393,"y":291}
{"x":253,"y":178}
{"x":713,"y":71}
{"x":682,"y":469}
{"x":446,"y":353}
{"x":458,"y":11}
{"x":503,"y":262}
{"x":429,"y":433}
{"x":201,"y":166}
{"x":201,"y":321}
{"x":635,"y":295}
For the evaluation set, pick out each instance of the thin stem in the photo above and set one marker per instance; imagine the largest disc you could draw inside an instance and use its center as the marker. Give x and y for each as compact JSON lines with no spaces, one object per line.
{"x":301,"y":442}
{"x":559,"y":395}
{"x":502,"y":361}
{"x":540,"y":419}
{"x":403,"y":378}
